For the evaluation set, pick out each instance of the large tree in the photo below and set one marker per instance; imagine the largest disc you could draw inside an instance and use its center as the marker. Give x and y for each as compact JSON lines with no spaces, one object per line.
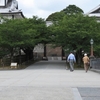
{"x":23,"y":34}
{"x":72,"y":9}
{"x":69,"y":10}
{"x":75,"y":32}
{"x":56,"y":16}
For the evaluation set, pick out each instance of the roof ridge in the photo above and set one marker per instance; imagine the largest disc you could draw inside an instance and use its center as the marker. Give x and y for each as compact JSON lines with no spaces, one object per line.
{"x":93,"y":9}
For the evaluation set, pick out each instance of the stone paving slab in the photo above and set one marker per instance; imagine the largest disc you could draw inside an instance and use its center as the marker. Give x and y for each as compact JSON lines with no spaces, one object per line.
{"x":47,"y":81}
{"x":35,"y":93}
{"x":76,"y":94}
{"x":89,"y":93}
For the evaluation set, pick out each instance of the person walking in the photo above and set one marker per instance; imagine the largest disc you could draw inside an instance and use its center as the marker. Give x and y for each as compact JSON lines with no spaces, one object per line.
{"x":71,"y":59}
{"x":86,"y":62}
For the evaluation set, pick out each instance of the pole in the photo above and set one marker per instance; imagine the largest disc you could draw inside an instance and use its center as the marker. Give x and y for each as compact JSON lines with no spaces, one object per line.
{"x":92,"y":50}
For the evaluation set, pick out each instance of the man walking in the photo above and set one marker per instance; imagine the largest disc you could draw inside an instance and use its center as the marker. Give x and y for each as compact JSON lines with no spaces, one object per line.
{"x":71,"y":59}
{"x":86,"y":62}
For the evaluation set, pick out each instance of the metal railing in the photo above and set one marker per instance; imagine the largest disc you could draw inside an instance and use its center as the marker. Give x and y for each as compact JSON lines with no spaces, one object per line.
{"x":95,"y":63}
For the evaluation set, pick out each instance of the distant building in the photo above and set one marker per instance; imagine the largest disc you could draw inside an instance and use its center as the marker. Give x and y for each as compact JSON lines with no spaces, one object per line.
{"x":95,"y":12}
{"x":9,"y":9}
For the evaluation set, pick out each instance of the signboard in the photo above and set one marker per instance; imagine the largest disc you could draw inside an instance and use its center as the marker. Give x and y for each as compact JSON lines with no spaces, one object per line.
{"x":13,"y":64}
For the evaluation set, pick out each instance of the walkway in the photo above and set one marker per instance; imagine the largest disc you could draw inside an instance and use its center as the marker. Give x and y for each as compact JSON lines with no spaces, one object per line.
{"x":47,"y":80}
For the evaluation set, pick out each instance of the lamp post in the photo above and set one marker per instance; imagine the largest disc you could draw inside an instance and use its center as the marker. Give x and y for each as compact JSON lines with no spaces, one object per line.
{"x":91,"y":42}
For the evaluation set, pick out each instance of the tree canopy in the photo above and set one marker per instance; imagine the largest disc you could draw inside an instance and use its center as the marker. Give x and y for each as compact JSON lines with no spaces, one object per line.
{"x":72,"y":9}
{"x":75,"y":32}
{"x":23,"y":33}
{"x":74,"y":29}
{"x":69,"y":10}
{"x":71,"y":29}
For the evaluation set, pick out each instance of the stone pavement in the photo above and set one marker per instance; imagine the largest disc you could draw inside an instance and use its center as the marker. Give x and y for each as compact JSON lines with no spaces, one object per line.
{"x":49,"y":80}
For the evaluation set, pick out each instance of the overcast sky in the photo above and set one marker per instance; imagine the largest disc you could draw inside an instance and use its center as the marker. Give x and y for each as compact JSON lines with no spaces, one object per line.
{"x":44,"y":8}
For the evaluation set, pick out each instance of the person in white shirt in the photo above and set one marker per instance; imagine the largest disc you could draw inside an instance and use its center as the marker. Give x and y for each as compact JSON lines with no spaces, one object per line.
{"x":71,"y":59}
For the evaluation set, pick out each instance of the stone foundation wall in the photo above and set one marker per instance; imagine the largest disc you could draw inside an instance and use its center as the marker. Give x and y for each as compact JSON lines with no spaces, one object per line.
{"x":53,"y":51}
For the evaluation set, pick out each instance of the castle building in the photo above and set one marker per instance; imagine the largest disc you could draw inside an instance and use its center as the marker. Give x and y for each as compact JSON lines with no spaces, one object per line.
{"x":9,"y":9}
{"x":95,"y":12}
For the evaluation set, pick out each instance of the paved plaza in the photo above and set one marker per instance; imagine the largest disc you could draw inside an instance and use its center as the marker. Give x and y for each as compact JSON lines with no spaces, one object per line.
{"x":49,"y":80}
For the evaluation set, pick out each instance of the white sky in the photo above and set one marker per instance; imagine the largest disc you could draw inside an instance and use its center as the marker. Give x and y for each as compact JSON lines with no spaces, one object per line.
{"x":44,"y":8}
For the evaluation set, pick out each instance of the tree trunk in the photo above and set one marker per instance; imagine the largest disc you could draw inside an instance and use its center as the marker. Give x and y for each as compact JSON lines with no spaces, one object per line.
{"x":79,"y":57}
{"x":20,"y":59}
{"x":29,"y":53}
{"x":45,"y":50}
{"x":12,"y":57}
{"x":63,"y":54}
